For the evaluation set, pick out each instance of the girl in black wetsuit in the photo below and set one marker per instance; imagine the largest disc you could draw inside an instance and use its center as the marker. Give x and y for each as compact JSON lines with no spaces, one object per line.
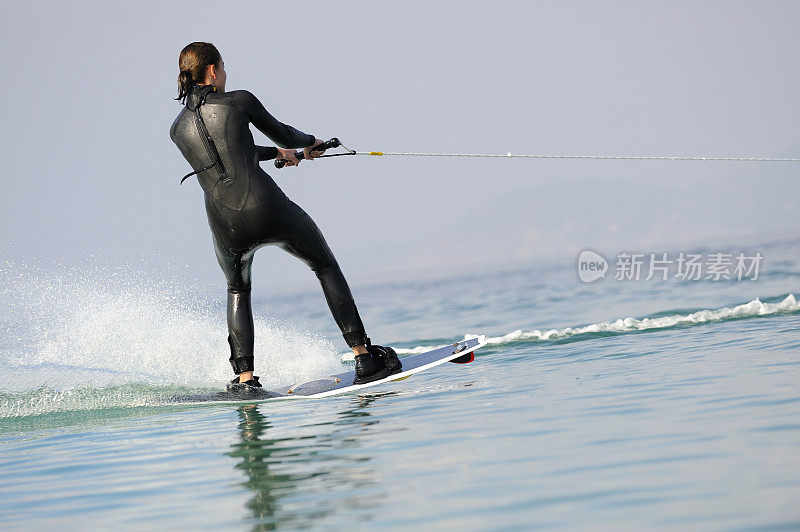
{"x":247,"y":210}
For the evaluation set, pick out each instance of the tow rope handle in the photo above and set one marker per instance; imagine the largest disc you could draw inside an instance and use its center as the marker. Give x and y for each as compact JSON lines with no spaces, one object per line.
{"x":333,"y":143}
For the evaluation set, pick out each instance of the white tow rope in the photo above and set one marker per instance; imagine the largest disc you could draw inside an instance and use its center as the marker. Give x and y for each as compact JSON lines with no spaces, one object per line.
{"x":510,"y":155}
{"x":335,"y":143}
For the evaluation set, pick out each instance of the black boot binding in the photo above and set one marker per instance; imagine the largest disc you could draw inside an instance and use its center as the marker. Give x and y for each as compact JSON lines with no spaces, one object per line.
{"x":385,"y":357}
{"x":247,"y":389}
{"x":378,"y":363}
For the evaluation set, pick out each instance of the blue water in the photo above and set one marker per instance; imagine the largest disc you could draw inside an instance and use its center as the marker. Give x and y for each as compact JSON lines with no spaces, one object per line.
{"x":685,"y":416}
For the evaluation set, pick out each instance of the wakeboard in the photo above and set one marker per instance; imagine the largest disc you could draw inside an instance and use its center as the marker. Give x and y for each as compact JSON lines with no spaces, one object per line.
{"x":462,"y":352}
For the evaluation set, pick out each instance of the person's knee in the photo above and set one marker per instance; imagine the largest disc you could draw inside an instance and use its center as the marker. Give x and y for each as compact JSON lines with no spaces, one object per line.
{"x":238,"y":285}
{"x":325,"y":267}
{"x":240,"y":312}
{"x":238,"y":288}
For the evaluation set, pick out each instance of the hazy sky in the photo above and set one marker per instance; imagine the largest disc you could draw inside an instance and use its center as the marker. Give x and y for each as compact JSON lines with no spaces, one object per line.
{"x":88,"y":102}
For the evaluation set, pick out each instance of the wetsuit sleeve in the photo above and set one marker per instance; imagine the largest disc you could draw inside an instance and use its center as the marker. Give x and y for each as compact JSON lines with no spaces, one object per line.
{"x":283,"y":135}
{"x":265,"y":153}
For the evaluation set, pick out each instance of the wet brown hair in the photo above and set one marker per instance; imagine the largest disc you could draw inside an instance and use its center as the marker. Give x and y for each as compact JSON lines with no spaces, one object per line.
{"x":193,"y":63}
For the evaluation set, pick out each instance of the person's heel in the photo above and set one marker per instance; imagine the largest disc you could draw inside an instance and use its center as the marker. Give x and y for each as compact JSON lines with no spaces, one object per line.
{"x":385,"y":357}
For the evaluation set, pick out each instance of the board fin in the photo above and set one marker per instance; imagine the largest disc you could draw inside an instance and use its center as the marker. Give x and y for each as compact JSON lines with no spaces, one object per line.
{"x":464,"y":359}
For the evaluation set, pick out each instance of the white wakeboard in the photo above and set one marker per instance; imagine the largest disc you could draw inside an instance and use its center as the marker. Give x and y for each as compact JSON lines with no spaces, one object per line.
{"x":459,"y":352}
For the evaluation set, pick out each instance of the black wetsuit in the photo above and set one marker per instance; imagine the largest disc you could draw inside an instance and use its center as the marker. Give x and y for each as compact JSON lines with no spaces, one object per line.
{"x":247,"y":210}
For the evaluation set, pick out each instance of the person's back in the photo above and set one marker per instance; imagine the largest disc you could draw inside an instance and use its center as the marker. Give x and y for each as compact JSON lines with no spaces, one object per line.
{"x":237,"y":184}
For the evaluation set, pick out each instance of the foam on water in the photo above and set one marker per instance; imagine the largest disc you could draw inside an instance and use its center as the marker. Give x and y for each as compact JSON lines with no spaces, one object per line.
{"x":751,"y":309}
{"x":66,"y":330}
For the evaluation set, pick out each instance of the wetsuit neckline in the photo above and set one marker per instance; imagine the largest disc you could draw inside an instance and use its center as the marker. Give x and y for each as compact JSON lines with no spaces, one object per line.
{"x":197,"y":95}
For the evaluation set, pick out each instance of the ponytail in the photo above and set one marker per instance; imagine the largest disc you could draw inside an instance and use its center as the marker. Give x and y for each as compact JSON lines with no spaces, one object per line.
{"x":193,"y":63}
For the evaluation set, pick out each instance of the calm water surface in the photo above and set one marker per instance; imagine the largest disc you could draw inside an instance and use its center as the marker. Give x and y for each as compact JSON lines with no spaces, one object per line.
{"x":685,"y":420}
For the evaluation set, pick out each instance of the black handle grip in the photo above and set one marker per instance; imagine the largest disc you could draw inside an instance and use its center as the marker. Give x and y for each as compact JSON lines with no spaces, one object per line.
{"x":333,"y":143}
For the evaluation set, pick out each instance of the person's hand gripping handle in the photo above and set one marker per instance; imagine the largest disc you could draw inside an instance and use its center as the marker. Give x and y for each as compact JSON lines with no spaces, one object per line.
{"x":293,"y":158}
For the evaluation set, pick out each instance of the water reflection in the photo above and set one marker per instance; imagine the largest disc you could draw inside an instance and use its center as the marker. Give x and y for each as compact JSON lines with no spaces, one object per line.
{"x":301,"y":475}
{"x":255,"y":451}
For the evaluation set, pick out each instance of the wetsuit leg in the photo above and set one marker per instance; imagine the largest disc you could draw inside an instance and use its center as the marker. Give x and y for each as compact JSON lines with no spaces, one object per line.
{"x":305,"y":241}
{"x":237,"y":267}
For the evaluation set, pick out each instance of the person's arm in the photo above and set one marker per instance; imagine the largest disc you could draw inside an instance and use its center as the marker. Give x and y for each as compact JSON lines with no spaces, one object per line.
{"x":283,"y":135}
{"x":265,"y":153}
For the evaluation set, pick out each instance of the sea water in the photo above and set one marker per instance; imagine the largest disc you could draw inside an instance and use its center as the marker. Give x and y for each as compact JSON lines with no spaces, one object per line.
{"x":614,"y":404}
